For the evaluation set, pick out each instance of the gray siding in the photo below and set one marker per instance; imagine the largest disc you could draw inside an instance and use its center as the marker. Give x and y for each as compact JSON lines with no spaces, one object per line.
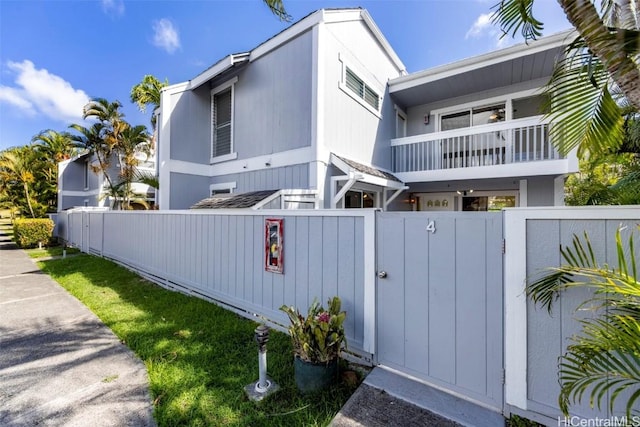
{"x":349,"y":128}
{"x":76,"y":201}
{"x":187,"y":189}
{"x":548,"y":335}
{"x":288,"y":177}
{"x":221,"y":256}
{"x":272,"y":105}
{"x":190,"y":124}
{"x":439,"y":308}
{"x":540,"y":191}
{"x":73,"y":176}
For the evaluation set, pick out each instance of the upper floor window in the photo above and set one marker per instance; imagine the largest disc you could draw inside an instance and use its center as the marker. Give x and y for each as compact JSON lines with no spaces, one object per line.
{"x":473,"y":117}
{"x":361,"y":89}
{"x":222,"y":122}
{"x":85,"y":174}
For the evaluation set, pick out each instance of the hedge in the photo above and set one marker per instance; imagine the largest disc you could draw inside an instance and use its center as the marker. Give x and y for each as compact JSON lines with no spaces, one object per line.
{"x":29,"y":232}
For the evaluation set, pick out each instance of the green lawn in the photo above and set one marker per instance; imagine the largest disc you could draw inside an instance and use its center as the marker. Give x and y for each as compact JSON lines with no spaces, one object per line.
{"x":52,"y":251}
{"x":198,"y":355}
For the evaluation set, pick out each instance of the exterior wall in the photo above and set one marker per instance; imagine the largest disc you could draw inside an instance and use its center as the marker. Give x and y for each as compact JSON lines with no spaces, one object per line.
{"x":540,"y":191}
{"x":78,"y":201}
{"x":349,"y":128}
{"x":287,"y":177}
{"x":415,"y":114}
{"x":272,"y":104}
{"x":186,"y":190}
{"x":190,"y":130}
{"x":533,"y":237}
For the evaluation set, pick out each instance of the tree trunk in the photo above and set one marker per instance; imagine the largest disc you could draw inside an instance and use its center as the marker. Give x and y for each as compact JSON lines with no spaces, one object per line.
{"x":26,"y":195}
{"x":583,"y":15}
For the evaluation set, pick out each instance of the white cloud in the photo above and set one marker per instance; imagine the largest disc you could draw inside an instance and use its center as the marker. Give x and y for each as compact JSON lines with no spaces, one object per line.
{"x":484,"y":28}
{"x":165,"y":35}
{"x":39,"y":91}
{"x":113,"y":7}
{"x":14,"y":97}
{"x":481,"y":27}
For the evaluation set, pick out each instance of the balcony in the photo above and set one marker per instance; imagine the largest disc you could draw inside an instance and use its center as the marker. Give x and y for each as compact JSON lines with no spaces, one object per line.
{"x":511,"y":148}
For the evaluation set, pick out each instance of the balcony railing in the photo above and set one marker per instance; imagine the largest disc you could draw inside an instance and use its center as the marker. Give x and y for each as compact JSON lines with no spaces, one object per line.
{"x":514,"y":141}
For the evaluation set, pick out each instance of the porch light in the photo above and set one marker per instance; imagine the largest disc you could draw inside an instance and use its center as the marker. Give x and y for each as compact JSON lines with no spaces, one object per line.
{"x":464,"y":192}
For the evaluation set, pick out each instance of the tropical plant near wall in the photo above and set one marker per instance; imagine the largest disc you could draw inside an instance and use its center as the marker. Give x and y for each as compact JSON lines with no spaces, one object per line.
{"x":596,"y":87}
{"x":603,"y":360}
{"x":17,"y":177}
{"x":147,"y":93}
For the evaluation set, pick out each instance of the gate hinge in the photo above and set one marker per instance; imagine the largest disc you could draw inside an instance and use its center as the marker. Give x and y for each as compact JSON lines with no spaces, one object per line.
{"x":504,"y":376}
{"x":504,"y":246}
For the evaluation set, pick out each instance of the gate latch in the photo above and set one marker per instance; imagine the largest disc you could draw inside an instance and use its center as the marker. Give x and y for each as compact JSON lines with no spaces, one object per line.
{"x":382,"y":274}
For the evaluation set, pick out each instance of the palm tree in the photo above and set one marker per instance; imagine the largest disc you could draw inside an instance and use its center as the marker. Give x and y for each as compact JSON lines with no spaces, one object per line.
{"x":603,"y":59}
{"x":147,"y":92}
{"x":16,"y":168}
{"x":55,"y":146}
{"x":604,"y":359}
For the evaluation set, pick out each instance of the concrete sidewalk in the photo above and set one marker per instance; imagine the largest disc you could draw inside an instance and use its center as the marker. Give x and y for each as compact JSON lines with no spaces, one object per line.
{"x":59,"y":364}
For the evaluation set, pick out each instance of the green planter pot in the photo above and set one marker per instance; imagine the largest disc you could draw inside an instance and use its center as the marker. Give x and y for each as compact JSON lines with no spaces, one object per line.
{"x":312,"y":377}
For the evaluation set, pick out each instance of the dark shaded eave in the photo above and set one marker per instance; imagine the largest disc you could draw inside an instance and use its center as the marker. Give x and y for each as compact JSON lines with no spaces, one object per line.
{"x":510,"y":66}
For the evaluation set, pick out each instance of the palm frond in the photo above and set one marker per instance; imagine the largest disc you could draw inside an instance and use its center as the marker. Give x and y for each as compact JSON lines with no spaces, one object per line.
{"x":277,"y":8}
{"x":583,"y":112}
{"x":513,"y":16}
{"x":604,"y":358}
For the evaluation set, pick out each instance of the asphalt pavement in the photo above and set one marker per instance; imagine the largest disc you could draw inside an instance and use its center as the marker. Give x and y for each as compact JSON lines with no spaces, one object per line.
{"x":59,"y":364}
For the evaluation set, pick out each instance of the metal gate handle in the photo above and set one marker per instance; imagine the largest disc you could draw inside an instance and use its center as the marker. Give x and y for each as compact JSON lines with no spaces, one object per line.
{"x":382,"y":275}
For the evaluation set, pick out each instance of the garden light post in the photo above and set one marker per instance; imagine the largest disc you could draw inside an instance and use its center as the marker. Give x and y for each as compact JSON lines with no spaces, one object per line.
{"x":264,"y":386}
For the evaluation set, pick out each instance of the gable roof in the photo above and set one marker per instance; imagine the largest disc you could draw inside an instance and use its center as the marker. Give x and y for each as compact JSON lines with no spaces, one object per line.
{"x":294,"y":30}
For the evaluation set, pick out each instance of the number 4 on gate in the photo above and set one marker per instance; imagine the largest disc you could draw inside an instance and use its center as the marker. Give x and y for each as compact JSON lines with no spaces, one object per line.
{"x":431,"y":227}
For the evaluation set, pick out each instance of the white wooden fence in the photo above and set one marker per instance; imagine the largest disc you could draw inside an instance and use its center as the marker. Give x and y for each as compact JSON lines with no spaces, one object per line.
{"x":220,"y":255}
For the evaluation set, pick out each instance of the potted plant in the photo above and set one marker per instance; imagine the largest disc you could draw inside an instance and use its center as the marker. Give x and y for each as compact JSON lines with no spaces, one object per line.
{"x":317,"y":341}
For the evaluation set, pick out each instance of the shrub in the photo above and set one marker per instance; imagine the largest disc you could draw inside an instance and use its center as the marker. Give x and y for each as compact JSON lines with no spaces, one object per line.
{"x":29,"y":232}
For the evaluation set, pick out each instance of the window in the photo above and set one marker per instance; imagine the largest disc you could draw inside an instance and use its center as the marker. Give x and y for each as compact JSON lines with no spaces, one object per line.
{"x":473,"y":117}
{"x":356,"y":87}
{"x":85,"y":174}
{"x":222,"y":99}
{"x":221,"y":188}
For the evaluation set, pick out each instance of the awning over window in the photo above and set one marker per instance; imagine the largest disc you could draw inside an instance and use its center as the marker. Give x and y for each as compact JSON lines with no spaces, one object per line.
{"x":355,"y":172}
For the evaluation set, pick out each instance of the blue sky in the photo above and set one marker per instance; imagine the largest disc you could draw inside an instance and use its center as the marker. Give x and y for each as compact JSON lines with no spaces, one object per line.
{"x":55,"y":55}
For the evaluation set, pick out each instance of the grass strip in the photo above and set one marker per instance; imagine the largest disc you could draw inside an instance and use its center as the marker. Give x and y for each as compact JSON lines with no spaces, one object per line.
{"x":198,"y":355}
{"x":53,"y":251}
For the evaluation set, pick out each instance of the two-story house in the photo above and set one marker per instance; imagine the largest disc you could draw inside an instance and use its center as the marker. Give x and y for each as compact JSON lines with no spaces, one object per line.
{"x":79,"y":185}
{"x":324,"y":115}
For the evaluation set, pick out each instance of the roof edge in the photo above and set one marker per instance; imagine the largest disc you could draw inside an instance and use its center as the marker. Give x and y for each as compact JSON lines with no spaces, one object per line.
{"x":480,"y":61}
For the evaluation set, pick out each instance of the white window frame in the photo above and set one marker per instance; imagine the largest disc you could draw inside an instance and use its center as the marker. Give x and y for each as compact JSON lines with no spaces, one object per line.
{"x":231,"y":186}
{"x":366,"y":79}
{"x":506,"y":99}
{"x":232,"y":155}
{"x":403,"y":115}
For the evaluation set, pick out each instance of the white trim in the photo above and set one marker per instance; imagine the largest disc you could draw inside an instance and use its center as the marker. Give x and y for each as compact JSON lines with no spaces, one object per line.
{"x":369,"y":277}
{"x":79,"y":193}
{"x":223,"y":186}
{"x":480,"y":61}
{"x":383,"y":41}
{"x":218,"y":68}
{"x":510,"y":170}
{"x":515,"y":274}
{"x":232,"y":155}
{"x":276,"y":160}
{"x":400,"y":112}
{"x":524,"y":195}
{"x":318,"y":164}
{"x":225,"y":158}
{"x":288,"y":34}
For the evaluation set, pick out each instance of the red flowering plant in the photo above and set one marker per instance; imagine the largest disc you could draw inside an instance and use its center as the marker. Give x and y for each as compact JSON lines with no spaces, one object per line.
{"x":317,"y":338}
